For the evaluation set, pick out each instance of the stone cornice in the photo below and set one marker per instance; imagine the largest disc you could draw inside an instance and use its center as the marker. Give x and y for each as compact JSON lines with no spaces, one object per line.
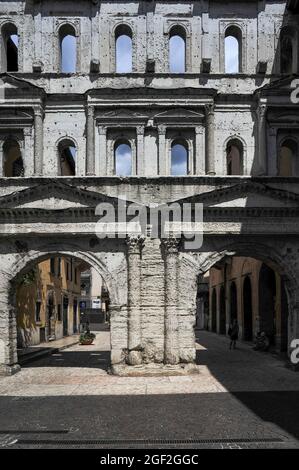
{"x":79,"y":215}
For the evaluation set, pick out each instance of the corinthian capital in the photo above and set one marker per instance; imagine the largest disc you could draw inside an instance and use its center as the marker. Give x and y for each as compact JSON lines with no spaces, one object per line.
{"x":134,"y":243}
{"x":171,"y":244}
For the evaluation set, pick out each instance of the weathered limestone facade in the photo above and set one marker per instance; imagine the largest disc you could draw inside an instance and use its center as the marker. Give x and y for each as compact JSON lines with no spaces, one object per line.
{"x":152,"y":282}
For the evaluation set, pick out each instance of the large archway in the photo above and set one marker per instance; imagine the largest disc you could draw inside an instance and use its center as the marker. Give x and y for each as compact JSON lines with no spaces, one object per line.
{"x":21,"y":263}
{"x":243,"y":292}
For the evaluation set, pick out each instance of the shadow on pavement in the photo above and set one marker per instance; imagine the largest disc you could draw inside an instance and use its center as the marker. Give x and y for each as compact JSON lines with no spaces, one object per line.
{"x":91,"y":359}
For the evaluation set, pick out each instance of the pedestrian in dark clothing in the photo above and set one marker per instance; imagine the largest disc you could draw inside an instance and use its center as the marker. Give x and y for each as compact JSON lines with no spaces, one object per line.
{"x":233,"y":333}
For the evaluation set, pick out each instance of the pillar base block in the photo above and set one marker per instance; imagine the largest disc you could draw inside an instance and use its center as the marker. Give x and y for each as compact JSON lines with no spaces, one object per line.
{"x":135,"y":358}
{"x":6,"y":370}
{"x":154,"y":370}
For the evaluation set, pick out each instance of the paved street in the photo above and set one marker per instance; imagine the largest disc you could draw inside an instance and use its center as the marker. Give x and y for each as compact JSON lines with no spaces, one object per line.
{"x":239,"y":398}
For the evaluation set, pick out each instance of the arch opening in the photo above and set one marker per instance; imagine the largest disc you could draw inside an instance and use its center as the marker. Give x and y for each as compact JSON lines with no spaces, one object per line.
{"x":68,"y":49}
{"x":10,"y":48}
{"x":177,"y":50}
{"x":179,"y":158}
{"x":67,"y":152}
{"x":123,"y":158}
{"x":58,"y":296}
{"x":258,"y":296}
{"x":13,"y":160}
{"x":123,"y":49}
{"x":233,"y":50}
{"x":288,"y":164}
{"x":234,"y":157}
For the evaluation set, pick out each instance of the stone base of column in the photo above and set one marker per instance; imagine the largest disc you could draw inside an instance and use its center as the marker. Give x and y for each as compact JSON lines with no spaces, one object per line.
{"x":134,"y":358}
{"x":154,"y":370}
{"x":6,"y":370}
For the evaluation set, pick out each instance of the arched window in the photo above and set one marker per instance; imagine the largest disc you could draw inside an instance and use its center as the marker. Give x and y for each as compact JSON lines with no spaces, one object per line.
{"x":10,"y":45}
{"x":179,"y":158}
{"x":286,"y":52}
{"x":123,"y":49}
{"x":13,"y":161}
{"x":123,"y":158}
{"x":68,"y":49}
{"x":177,"y":50}
{"x":233,"y":50}
{"x":234,"y":157}
{"x":67,"y":157}
{"x":288,"y":158}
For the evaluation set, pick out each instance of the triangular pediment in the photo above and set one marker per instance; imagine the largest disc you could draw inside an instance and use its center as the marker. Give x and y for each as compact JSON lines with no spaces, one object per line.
{"x":179,"y":113}
{"x":122,"y":114}
{"x":246,"y":195}
{"x":54,"y":195}
{"x":12,"y":86}
{"x":282,"y":86}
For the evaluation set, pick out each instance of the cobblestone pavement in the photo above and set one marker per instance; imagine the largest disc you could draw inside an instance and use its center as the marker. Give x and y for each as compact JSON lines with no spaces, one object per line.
{"x":239,"y":399}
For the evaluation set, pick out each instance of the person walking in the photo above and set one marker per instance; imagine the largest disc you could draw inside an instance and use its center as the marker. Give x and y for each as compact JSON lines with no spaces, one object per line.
{"x":233,"y":333}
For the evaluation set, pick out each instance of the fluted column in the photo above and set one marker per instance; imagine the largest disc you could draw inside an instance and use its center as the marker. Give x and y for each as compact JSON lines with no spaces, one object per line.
{"x":38,"y":141}
{"x":261,"y":167}
{"x":162,"y":164}
{"x":90,"y":152}
{"x":134,"y":246}
{"x":171,"y":346}
{"x":210,"y":131}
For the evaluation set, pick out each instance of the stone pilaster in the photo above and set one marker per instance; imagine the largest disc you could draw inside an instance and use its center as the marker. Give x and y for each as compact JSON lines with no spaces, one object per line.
{"x":140,"y":150}
{"x":210,"y":130}
{"x":134,"y":246}
{"x":28,"y":152}
{"x":103,"y":166}
{"x":171,"y":347}
{"x":38,"y":141}
{"x":199,"y":151}
{"x":261,"y":167}
{"x":8,"y":334}
{"x":90,"y":151}
{"x":162,"y":163}
{"x":1,"y":159}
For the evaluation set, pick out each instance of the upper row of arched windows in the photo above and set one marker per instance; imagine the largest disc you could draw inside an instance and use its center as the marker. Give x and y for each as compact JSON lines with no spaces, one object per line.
{"x":124,"y":49}
{"x":288,"y":158}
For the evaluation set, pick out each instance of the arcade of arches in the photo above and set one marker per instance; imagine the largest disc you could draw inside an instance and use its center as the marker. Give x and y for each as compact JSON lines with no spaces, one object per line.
{"x":250,"y":291}
{"x":151,"y":278}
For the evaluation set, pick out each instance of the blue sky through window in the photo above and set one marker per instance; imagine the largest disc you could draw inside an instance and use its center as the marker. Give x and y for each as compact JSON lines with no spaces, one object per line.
{"x":179,"y":157}
{"x":177,"y":59}
{"x":68,"y":54}
{"x":231,"y":55}
{"x":123,"y":160}
{"x":123,"y":54}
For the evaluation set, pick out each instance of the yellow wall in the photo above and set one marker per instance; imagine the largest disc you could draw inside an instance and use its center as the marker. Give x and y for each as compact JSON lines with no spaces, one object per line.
{"x":44,"y":284}
{"x":237,"y":269}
